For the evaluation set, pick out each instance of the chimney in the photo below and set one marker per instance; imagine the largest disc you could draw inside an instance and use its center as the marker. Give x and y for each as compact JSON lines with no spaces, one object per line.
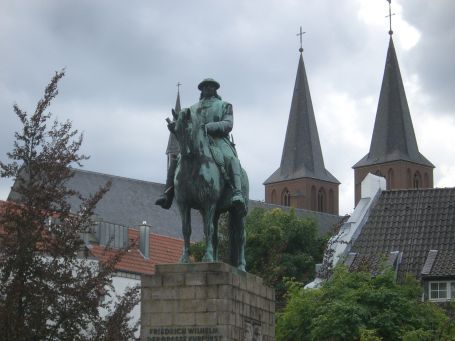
{"x":144,"y":239}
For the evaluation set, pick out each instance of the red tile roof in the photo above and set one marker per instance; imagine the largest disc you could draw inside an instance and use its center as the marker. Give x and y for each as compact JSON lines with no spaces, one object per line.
{"x":163,"y":250}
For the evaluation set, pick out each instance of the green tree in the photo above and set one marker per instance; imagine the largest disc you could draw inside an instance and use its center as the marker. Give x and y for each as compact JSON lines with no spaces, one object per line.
{"x":281,"y":245}
{"x":49,"y":289}
{"x":357,"y":306}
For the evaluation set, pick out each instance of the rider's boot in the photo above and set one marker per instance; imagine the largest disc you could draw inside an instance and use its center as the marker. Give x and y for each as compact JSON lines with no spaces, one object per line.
{"x":165,"y":199}
{"x":237,"y":195}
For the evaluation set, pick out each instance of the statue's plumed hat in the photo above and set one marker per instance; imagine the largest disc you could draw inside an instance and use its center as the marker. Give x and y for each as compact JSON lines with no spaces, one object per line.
{"x":209,"y":81}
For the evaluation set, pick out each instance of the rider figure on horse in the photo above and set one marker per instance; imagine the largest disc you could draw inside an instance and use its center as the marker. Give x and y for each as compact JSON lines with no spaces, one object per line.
{"x":218,"y":120}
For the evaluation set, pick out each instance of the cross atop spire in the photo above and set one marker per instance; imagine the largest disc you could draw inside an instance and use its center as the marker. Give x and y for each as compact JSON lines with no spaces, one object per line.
{"x":300,"y":34}
{"x":390,"y":17}
{"x":178,"y":87}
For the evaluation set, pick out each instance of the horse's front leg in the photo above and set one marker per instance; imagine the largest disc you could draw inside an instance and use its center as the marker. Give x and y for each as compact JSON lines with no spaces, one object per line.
{"x":208,"y":229}
{"x":186,"y":230}
{"x":237,"y":239}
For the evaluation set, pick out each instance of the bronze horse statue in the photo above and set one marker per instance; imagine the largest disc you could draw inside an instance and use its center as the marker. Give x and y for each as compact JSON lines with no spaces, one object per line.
{"x":201,"y":185}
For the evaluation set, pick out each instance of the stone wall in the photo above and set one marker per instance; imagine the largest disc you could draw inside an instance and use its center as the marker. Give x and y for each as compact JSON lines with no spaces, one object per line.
{"x":205,"y":301}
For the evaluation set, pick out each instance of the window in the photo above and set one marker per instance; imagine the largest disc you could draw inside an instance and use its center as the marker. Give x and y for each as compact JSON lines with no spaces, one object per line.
{"x":274,"y":197}
{"x":442,"y":291}
{"x":286,"y":198}
{"x":321,"y":200}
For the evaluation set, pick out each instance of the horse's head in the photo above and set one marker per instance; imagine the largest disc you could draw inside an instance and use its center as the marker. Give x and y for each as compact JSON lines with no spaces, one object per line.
{"x":188,"y":131}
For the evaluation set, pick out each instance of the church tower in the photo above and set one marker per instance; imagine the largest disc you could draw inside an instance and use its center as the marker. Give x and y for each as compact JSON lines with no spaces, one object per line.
{"x":302,"y":181}
{"x":393,"y":151}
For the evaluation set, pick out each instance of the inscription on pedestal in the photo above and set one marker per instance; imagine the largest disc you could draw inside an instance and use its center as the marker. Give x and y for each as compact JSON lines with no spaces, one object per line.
{"x":184,"y":334}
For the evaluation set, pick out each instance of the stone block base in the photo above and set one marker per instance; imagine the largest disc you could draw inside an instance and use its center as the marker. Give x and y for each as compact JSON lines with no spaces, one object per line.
{"x":204,"y":302}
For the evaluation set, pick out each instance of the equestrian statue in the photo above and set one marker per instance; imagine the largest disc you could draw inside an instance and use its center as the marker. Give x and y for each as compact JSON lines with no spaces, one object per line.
{"x":207,"y":175}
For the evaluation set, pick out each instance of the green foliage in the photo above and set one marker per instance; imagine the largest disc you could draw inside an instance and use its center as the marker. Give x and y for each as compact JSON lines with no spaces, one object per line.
{"x":197,"y":250}
{"x":281,"y":245}
{"x":356,"y":306}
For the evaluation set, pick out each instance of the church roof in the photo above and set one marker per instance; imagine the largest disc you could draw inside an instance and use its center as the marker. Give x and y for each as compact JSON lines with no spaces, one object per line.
{"x":393,"y":135}
{"x":418,"y":223}
{"x":172,"y":144}
{"x":302,"y":154}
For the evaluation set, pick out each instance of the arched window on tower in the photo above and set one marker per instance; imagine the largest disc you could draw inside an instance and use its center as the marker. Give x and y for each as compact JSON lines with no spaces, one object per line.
{"x":321,"y":200}
{"x":286,"y":198}
{"x":331,"y":202}
{"x":314,"y":204}
{"x":417,"y":183}
{"x":390,"y":179}
{"x":409,"y":178}
{"x":274,"y":197}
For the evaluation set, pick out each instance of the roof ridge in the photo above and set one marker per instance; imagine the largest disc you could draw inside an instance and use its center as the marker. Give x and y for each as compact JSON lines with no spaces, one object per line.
{"x":114,"y":176}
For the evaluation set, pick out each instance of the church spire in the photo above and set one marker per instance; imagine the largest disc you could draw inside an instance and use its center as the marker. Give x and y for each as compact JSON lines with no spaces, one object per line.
{"x":172,"y":144}
{"x":302,"y":155}
{"x":393,"y":135}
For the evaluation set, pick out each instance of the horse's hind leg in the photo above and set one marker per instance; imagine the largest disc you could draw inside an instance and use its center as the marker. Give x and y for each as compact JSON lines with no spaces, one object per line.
{"x":216,"y":218}
{"x":237,"y":238}
{"x":208,"y":229}
{"x":186,"y":230}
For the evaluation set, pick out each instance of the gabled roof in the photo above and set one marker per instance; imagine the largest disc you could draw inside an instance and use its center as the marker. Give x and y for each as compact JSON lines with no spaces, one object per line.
{"x":302,"y":155}
{"x":393,"y":135}
{"x":163,"y":250}
{"x":129,"y":202}
{"x":172,"y":144}
{"x":412,"y":222}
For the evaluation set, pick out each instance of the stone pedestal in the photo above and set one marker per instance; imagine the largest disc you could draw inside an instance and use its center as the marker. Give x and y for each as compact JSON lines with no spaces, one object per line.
{"x":204,"y":302}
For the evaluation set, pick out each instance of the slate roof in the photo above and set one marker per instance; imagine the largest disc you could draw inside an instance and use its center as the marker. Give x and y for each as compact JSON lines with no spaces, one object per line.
{"x":412,"y":222}
{"x":163,"y":250}
{"x":172,"y":144}
{"x":393,"y":135}
{"x":302,"y":154}
{"x":129,"y":202}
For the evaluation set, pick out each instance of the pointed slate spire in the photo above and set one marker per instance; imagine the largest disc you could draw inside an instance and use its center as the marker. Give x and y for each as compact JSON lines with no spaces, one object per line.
{"x":393,"y":135}
{"x":302,"y":155}
{"x":172,"y":144}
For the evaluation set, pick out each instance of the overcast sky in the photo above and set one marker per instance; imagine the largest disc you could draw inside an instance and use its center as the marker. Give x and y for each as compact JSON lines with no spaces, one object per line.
{"x":123,"y":60}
